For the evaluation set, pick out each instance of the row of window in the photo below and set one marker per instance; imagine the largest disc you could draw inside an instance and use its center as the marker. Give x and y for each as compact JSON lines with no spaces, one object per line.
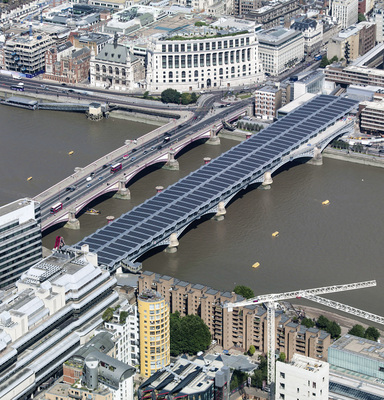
{"x":207,"y":46}
{"x":110,"y":70}
{"x":226,"y":57}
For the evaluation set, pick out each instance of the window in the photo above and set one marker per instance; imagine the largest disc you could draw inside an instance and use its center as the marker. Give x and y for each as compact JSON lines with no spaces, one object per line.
{"x":177,"y":61}
{"x":207,"y":46}
{"x":170,"y":65}
{"x":170,"y":48}
{"x":163,"y":48}
{"x":176,"y":48}
{"x":282,"y":375}
{"x":201,"y":60}
{"x":182,"y":48}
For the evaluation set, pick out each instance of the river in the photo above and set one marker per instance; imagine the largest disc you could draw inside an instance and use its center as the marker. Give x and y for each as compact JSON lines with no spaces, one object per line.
{"x":317,"y":245}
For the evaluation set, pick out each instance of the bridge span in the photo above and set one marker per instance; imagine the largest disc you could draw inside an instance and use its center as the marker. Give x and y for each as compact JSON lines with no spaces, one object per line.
{"x":88,"y":183}
{"x":160,"y":220}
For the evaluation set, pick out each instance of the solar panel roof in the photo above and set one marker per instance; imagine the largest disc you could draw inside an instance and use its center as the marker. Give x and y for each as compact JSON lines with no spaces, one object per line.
{"x":129,"y":236}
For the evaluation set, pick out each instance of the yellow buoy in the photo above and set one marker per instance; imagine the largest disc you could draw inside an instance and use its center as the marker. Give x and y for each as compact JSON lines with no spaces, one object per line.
{"x":274,"y":234}
{"x":325,"y":202}
{"x":29,"y":179}
{"x":255,"y":265}
{"x":71,"y":152}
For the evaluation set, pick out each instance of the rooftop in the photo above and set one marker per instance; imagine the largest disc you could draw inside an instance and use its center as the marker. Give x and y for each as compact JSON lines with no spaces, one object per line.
{"x":149,"y":296}
{"x":277,"y":35}
{"x":359,"y":346}
{"x":15,"y":205}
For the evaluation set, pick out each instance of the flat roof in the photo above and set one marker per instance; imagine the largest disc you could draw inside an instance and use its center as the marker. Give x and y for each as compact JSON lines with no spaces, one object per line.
{"x":15,"y":205}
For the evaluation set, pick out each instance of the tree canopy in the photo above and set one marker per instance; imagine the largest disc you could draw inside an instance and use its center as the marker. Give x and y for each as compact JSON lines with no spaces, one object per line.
{"x":370,"y":333}
{"x":307,"y":322}
{"x":260,"y":374}
{"x":107,"y":314}
{"x":357,"y":330}
{"x":244,"y":291}
{"x":189,"y":334}
{"x":170,"y":96}
{"x":332,"y":327}
{"x":361,"y":17}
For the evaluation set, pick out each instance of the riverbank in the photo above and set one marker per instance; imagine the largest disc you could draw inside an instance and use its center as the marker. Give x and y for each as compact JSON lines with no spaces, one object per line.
{"x":357,"y":158}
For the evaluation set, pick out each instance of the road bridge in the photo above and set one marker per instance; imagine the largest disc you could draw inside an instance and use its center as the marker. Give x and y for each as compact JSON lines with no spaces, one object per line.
{"x":88,"y":183}
{"x":160,"y":220}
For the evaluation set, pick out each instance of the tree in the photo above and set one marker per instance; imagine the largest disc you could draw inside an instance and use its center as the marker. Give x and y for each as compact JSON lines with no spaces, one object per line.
{"x":123,"y":317}
{"x":307,"y":322}
{"x":260,"y":374}
{"x":372,"y":333}
{"x":244,"y":291}
{"x":333,"y":59}
{"x":282,"y":357}
{"x":170,"y":96}
{"x":200,"y":23}
{"x":146,"y":95}
{"x":322,"y":322}
{"x":107,"y":314}
{"x":251,"y":350}
{"x":334,"y":329}
{"x":361,"y":17}
{"x":324,"y":62}
{"x":185,"y":98}
{"x":238,"y":378}
{"x":357,"y":330}
{"x":193,"y":97}
{"x":189,"y":334}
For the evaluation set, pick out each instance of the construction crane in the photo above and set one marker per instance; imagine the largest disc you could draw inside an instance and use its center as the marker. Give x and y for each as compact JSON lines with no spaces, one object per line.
{"x":310,"y":294}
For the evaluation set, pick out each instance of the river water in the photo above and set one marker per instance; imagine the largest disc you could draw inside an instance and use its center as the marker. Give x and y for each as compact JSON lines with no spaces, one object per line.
{"x":317,"y":245}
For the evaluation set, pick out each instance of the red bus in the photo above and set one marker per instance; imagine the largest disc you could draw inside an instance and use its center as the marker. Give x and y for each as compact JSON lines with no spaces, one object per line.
{"x":56,"y":207}
{"x":116,"y":167}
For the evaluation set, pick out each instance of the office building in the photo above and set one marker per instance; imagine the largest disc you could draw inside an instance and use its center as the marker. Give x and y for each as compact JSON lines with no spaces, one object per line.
{"x":354,"y":75}
{"x":201,"y":378}
{"x":154,"y":332}
{"x":241,"y":328}
{"x":358,"y":355}
{"x":115,"y":67}
{"x":302,"y":378}
{"x":91,"y":40}
{"x":267,"y":101}
{"x":372,"y":116}
{"x":310,"y":82}
{"x":57,"y":305}
{"x":26,"y":52}
{"x":20,"y":239}
{"x":280,"y":49}
{"x":312,"y":31}
{"x":345,"y":12}
{"x":276,"y":13}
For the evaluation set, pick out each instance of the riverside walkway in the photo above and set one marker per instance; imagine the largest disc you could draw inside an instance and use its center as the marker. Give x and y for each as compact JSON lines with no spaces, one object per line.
{"x":160,"y":220}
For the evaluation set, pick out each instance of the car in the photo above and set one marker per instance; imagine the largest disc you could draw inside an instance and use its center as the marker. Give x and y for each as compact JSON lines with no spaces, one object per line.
{"x":133,"y":158}
{"x":125,"y":156}
{"x":67,"y":198}
{"x":63,"y":84}
{"x":133,"y":150}
{"x":105,"y":166}
{"x":159,"y":147}
{"x":89,"y":185}
{"x":153,"y":148}
{"x":100,"y":178}
{"x":92,"y":174}
{"x":89,"y":178}
{"x":145,"y":152}
{"x":70,"y":189}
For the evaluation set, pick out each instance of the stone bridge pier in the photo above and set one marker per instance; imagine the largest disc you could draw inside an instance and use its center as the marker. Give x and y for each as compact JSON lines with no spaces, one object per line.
{"x":123,"y":192}
{"x":317,"y":157}
{"x":173,"y":244}
{"x":221,"y":211}
{"x":171,"y":164}
{"x":267,"y":182}
{"x":213,"y":138}
{"x":73,"y":222}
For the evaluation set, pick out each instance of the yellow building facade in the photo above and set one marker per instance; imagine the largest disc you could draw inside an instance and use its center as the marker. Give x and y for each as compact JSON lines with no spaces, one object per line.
{"x":154,"y":332}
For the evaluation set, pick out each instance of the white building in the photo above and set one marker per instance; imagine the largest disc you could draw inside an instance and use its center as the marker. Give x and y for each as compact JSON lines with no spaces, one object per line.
{"x":302,"y":378}
{"x":310,"y":82}
{"x":312,"y":31}
{"x":20,"y":239}
{"x":126,"y":333}
{"x":218,"y":60}
{"x":345,"y":11}
{"x":280,"y":49}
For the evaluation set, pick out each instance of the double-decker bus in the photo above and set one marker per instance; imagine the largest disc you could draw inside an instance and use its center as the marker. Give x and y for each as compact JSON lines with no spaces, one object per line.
{"x":56,"y":207}
{"x":116,"y":167}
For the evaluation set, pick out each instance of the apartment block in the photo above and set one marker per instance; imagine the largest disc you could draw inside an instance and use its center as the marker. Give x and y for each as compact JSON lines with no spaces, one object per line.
{"x":372,"y":116}
{"x":268,"y":100}
{"x":241,"y":328}
{"x":20,"y":239}
{"x":345,"y":11}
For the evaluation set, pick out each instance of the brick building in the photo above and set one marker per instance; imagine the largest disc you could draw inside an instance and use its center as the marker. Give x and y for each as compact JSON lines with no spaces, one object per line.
{"x":64,"y":63}
{"x":241,"y":328}
{"x":268,"y":100}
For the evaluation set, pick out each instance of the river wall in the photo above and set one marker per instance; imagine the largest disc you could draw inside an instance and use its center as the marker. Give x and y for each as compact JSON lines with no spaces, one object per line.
{"x":357,"y":158}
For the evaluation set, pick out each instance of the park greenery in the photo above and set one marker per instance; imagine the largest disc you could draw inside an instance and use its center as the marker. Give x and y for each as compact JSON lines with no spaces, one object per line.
{"x":370,"y":333}
{"x":188,"y":334}
{"x":244,"y":291}
{"x":237,"y":379}
{"x":324,"y":61}
{"x":260,"y":374}
{"x":173,"y":96}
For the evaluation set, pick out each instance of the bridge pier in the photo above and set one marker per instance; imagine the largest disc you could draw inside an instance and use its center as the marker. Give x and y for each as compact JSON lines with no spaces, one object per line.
{"x":171,"y":164}
{"x":207,"y":160}
{"x":317,"y":157}
{"x":173,"y":244}
{"x":266,"y":185}
{"x":123,"y":192}
{"x":221,"y":211}
{"x":73,"y":222}
{"x":213,"y":138}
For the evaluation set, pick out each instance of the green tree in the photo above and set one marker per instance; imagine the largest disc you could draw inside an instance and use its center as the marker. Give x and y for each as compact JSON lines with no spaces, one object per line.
{"x":244,"y":291}
{"x":107,"y":314}
{"x":200,"y":23}
{"x":361,"y":17}
{"x":170,"y":96}
{"x":123,"y":317}
{"x":188,"y":334}
{"x":322,"y":322}
{"x":307,"y":322}
{"x":324,"y":62}
{"x":260,"y":374}
{"x":186,"y":98}
{"x":251,"y":350}
{"x":372,"y":333}
{"x":282,"y":357}
{"x":357,"y":330}
{"x":193,"y":97}
{"x":334,"y":329}
{"x":333,"y":59}
{"x":146,"y":95}
{"x":237,"y":378}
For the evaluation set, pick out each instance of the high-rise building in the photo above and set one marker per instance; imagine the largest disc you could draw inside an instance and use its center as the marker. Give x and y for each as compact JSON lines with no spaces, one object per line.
{"x":20,"y":238}
{"x":302,"y":378}
{"x":154,"y":332}
{"x":345,"y":11}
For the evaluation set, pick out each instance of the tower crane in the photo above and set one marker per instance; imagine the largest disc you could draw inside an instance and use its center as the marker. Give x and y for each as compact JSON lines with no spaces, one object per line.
{"x":311,"y":294}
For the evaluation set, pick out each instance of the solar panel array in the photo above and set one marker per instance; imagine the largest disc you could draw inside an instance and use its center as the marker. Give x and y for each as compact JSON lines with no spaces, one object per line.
{"x":145,"y":226}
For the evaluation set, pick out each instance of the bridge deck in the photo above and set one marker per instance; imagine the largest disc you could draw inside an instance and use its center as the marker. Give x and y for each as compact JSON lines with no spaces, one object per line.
{"x":148,"y":224}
